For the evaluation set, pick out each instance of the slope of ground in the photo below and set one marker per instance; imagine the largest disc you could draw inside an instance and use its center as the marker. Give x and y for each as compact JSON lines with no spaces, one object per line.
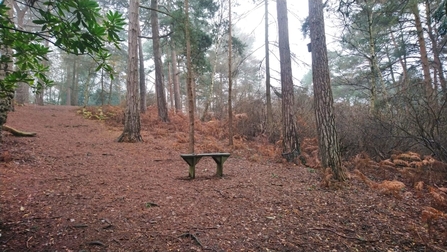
{"x":73,"y":188}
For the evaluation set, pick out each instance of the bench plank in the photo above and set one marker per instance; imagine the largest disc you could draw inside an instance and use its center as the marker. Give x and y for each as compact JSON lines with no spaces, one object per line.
{"x":193,"y":159}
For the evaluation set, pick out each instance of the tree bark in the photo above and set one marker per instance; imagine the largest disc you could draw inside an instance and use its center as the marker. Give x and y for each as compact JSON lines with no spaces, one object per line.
{"x":325,"y":118}
{"x":230,"y":79}
{"x":132,"y":125}
{"x":189,"y":84}
{"x":5,"y":69}
{"x":143,"y":102}
{"x":170,"y":86}
{"x":268,"y":95}
{"x":159,"y":88}
{"x":74,"y":89}
{"x":22,"y":90}
{"x":291,"y":145}
{"x":372,"y":61}
{"x":436,"y":54}
{"x":175,"y":79}
{"x":423,"y":51}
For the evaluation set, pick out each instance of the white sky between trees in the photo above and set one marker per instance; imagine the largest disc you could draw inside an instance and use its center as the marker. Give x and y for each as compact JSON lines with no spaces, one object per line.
{"x":249,"y":18}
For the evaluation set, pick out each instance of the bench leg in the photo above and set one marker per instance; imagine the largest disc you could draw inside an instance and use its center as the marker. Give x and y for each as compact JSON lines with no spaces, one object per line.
{"x":192,"y":166}
{"x":220,"y":161}
{"x":192,"y":160}
{"x":192,"y":171}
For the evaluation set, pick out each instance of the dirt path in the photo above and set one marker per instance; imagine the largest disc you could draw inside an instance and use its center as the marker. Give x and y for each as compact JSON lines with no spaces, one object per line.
{"x":72,"y":188}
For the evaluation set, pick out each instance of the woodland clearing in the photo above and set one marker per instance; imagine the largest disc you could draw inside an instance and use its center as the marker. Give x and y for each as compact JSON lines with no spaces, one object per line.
{"x":73,"y":188}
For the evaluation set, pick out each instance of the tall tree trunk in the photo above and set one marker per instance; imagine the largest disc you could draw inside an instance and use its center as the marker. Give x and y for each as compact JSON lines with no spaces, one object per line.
{"x":74,"y":90}
{"x":170,"y":85}
{"x":325,"y":119}
{"x":175,"y":79}
{"x":423,"y":51}
{"x":372,"y":61}
{"x":143,"y":102}
{"x":22,"y":90}
{"x":109,"y":99}
{"x":86,"y":89}
{"x":69,"y":86}
{"x":268,"y":95}
{"x":159,"y":88}
{"x":230,"y":79}
{"x":291,"y":145}
{"x":102,"y":88}
{"x":6,"y":68}
{"x":189,"y":87}
{"x":436,"y":54}
{"x":132,"y":125}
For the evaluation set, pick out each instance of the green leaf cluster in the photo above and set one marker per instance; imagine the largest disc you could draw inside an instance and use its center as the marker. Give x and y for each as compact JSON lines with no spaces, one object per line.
{"x":75,"y":26}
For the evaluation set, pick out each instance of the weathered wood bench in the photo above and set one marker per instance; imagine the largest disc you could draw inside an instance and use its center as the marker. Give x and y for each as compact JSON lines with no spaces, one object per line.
{"x":193,"y":159}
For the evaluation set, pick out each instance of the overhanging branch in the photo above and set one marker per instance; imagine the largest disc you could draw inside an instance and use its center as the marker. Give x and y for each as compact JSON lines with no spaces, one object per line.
{"x":162,"y":36}
{"x":151,"y":9}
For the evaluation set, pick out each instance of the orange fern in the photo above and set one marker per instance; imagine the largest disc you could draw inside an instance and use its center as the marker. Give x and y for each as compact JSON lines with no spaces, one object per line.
{"x":419,"y":186}
{"x":438,"y":196}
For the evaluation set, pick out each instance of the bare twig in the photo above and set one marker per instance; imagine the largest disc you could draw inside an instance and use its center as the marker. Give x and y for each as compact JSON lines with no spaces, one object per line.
{"x":97,"y":243}
{"x":342,"y":235}
{"x":151,"y":204}
{"x":80,"y":225}
{"x":192,"y":236}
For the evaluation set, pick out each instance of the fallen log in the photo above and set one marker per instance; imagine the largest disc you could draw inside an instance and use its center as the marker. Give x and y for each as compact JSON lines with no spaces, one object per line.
{"x":18,"y":133}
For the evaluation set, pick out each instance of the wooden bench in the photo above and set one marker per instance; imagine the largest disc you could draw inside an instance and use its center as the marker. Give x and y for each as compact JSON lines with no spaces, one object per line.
{"x":193,"y":159}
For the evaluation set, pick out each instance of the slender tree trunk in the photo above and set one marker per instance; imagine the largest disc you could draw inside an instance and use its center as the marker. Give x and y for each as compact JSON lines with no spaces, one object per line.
{"x":372,"y":62}
{"x":159,"y":88}
{"x":22,"y":90}
{"x":74,"y":90}
{"x":189,"y":85}
{"x":132,"y":127}
{"x":86,"y":89}
{"x":220,"y":106}
{"x":291,"y":145}
{"x":68,"y":98}
{"x":109,"y":99}
{"x":325,"y":118}
{"x":230,"y":79}
{"x":423,"y":52}
{"x":175,"y":79}
{"x":102,"y":88}
{"x":436,"y":54}
{"x":170,"y":85}
{"x":268,"y":95}
{"x":143,"y":102}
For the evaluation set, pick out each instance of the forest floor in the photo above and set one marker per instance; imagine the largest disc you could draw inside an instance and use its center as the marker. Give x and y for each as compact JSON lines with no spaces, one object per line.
{"x":73,"y":188}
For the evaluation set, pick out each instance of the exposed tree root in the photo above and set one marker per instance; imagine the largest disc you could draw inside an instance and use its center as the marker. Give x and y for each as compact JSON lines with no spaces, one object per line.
{"x":18,"y":133}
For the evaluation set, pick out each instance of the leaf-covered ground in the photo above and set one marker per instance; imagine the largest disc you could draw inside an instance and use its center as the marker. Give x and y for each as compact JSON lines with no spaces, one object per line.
{"x":73,"y":188}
